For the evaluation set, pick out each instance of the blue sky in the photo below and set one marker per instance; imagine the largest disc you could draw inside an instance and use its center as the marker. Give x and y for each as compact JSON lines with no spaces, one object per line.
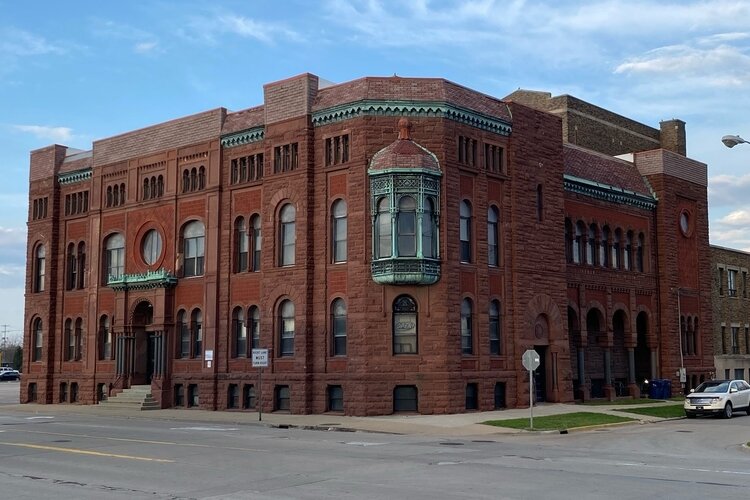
{"x":73,"y":72}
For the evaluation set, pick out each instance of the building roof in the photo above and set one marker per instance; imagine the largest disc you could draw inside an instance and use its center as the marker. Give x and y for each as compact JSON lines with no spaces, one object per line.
{"x":243,"y":120}
{"x":603,"y":169}
{"x":404,"y":153}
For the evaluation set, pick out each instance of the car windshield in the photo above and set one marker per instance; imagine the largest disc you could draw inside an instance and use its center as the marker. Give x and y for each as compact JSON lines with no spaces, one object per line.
{"x":713,"y":387}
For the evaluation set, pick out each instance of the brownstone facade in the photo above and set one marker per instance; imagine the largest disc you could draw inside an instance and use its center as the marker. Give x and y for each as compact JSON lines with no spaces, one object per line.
{"x":387,"y":265}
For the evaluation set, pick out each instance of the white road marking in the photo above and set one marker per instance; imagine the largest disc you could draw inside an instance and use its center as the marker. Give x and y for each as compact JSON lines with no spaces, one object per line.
{"x":202,"y":429}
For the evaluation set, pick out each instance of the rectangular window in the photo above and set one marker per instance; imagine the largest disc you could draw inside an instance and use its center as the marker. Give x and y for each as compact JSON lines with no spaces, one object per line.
{"x":285,"y":158}
{"x":337,"y":150}
{"x":744,"y":284}
{"x":247,"y":168}
{"x":193,"y":398}
{"x":335,"y":398}
{"x":735,"y":340}
{"x":248,"y":397}
{"x":472,"y":397}
{"x":233,"y":396}
{"x":726,"y":373}
{"x":179,"y":395}
{"x":467,"y":151}
{"x":731,"y":282}
{"x":493,"y":158}
{"x":721,"y":281}
{"x":747,"y":340}
{"x":184,"y":341}
{"x":282,"y":398}
{"x":405,"y":398}
{"x":739,"y":373}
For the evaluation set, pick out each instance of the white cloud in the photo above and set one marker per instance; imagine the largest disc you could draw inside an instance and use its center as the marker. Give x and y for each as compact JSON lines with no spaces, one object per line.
{"x":145,"y":47}
{"x":20,"y":43}
{"x":728,"y":190}
{"x":11,"y":236}
{"x":737,"y":218}
{"x":55,"y":134}
{"x":207,"y":28}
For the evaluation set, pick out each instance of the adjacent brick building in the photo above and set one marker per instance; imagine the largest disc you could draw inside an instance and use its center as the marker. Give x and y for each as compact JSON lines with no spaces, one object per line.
{"x":396,"y":243}
{"x":731,"y":314}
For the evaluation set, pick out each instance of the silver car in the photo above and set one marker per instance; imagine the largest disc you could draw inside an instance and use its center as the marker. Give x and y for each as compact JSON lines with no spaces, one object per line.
{"x":718,"y":397}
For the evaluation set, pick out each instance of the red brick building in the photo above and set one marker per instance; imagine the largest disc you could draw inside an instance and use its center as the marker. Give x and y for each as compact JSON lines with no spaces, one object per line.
{"x":397,"y":244}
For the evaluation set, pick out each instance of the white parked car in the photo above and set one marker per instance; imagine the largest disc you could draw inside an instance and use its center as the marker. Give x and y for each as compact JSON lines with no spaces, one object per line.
{"x":718,"y":397}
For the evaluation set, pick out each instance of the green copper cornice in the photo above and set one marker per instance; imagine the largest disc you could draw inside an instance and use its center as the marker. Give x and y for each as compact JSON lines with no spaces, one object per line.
{"x":248,"y":136}
{"x":438,"y":109}
{"x":608,"y":193}
{"x":143,"y":281}
{"x":75,"y":176}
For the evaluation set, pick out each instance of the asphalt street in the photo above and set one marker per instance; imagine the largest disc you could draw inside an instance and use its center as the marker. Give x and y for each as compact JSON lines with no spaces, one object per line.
{"x":92,"y":456}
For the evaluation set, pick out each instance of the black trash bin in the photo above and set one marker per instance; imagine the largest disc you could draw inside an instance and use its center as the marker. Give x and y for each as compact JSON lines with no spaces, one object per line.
{"x":666,"y":389}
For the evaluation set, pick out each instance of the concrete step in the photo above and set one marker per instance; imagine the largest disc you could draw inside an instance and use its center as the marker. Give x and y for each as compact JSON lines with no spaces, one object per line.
{"x":137,"y":397}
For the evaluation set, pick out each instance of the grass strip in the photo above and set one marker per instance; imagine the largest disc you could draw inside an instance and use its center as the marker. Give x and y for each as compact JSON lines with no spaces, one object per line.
{"x":669,"y":411}
{"x":624,"y":401}
{"x":558,"y":422}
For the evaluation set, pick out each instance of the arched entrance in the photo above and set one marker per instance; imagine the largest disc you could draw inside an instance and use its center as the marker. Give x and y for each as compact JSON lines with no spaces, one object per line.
{"x":642,"y":352}
{"x":619,"y":354}
{"x":144,"y":350}
{"x":595,"y":355}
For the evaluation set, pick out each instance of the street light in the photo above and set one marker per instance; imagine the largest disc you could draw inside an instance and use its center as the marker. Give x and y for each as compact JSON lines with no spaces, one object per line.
{"x":731,"y":141}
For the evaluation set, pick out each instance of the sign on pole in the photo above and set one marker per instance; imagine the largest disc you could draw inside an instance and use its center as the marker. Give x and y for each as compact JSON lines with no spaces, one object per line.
{"x":531,"y":362}
{"x":260,"y":360}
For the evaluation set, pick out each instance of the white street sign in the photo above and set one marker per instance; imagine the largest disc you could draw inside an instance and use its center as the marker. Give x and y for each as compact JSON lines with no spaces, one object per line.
{"x":260,"y":358}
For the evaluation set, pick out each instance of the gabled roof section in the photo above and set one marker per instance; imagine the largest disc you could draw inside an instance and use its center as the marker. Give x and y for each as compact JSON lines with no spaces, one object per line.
{"x":606,"y":170}
{"x":606,"y":178}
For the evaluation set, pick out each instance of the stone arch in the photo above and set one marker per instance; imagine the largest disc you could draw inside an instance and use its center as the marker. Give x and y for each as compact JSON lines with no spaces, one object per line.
{"x":542,"y":305}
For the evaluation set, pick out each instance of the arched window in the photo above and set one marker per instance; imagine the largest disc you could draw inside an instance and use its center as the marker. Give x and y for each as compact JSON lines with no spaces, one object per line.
{"x":115,"y":256}
{"x":407,"y":227}
{"x":160,"y":186}
{"x":257,"y":242}
{"x":69,"y":340}
{"x":240,"y":332}
{"x":116,"y":196}
{"x":184,"y":330}
{"x":185,"y":181}
{"x":591,"y":246}
{"x":338,"y":327}
{"x":72,"y":267}
{"x":569,"y":237}
{"x":604,"y":248}
{"x":240,"y":245}
{"x":495,"y":328}
{"x":39,"y":268}
{"x":616,"y":264}
{"x":81,"y":282}
{"x":38,"y":340}
{"x":683,"y":334}
{"x":201,"y":177}
{"x":287,"y":234}
{"x":628,"y":250}
{"x":429,"y":229}
{"x":193,"y":179}
{"x":105,"y":339}
{"x":339,"y":230}
{"x":465,"y":231}
{"x":578,"y":242}
{"x":405,"y":328}
{"x":146,"y":189}
{"x":122,"y":194}
{"x":78,"y":340}
{"x":194,"y":249}
{"x":696,"y":337}
{"x":467,"y":333}
{"x":286,"y":328}
{"x":254,"y":316}
{"x":639,"y":253}
{"x":493,"y":254}
{"x":109,"y":196}
{"x":384,"y":246}
{"x":196,"y":331}
{"x":153,"y":187}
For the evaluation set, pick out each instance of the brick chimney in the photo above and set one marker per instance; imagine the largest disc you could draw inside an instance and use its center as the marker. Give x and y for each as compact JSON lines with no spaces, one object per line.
{"x":673,"y":136}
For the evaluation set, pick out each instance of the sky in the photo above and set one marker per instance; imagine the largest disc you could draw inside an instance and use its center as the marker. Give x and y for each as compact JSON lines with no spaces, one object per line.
{"x":74,"y":72}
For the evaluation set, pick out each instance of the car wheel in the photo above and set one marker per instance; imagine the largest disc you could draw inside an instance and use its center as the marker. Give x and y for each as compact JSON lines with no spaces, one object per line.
{"x":728,"y":411}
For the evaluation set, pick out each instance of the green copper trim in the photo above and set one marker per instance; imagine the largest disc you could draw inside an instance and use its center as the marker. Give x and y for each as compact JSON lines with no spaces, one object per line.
{"x":405,"y":271}
{"x":440,"y":109}
{"x":75,"y":176}
{"x":611,"y":194}
{"x":248,"y":136}
{"x":160,"y":278}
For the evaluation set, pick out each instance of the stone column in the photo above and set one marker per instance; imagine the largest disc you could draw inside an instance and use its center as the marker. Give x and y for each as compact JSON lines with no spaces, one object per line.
{"x":582,"y":373}
{"x":609,"y":392}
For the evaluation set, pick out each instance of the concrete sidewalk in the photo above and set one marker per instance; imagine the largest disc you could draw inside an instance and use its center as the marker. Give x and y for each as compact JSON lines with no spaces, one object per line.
{"x":456,"y":425}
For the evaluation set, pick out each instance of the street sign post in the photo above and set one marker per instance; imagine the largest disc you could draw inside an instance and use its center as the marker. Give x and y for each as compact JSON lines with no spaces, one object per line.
{"x":530,"y":360}
{"x":260,"y":360}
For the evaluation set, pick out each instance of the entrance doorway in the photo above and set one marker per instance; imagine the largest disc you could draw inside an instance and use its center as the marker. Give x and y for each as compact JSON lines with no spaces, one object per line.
{"x":540,"y":375}
{"x":144,"y":351}
{"x":642,"y":352}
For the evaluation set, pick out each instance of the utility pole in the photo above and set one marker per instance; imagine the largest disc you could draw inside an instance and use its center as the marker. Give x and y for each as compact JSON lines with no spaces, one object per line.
{"x":4,"y":339}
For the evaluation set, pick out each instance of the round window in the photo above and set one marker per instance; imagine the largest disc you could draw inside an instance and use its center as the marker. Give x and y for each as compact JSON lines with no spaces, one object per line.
{"x":685,"y":222}
{"x":151,"y":247}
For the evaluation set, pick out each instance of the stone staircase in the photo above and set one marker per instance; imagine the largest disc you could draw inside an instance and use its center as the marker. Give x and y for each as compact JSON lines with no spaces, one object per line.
{"x":138,"y":397}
